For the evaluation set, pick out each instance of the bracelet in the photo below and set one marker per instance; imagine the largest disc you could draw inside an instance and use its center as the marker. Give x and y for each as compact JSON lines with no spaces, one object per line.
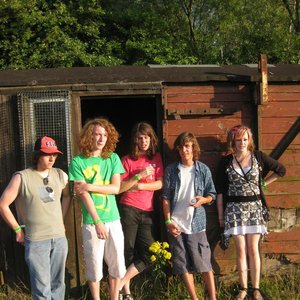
{"x":167,"y":222}
{"x":137,"y":177}
{"x":17,"y":229}
{"x":96,"y":221}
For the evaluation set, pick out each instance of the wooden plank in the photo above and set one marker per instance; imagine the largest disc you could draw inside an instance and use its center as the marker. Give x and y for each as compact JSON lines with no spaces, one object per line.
{"x":285,"y":88}
{"x":286,"y":201}
{"x":204,"y":126}
{"x":283,"y":97}
{"x":291,"y":235}
{"x":282,"y":126}
{"x":280,"y":187}
{"x":270,"y":141}
{"x":209,"y":98}
{"x":245,"y":108}
{"x":210,"y":89}
{"x":279,"y":247}
{"x":281,"y":109}
{"x":290,"y":157}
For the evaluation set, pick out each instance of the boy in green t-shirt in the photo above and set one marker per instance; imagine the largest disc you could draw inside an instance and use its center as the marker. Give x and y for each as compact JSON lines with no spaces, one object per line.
{"x":96,"y":175}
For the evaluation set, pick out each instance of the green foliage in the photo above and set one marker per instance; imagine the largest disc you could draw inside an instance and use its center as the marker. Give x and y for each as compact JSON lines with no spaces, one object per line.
{"x":68,"y":33}
{"x":46,"y":34}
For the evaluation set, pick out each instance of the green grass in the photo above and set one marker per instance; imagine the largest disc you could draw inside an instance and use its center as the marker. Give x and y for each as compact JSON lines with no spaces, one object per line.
{"x":283,"y":284}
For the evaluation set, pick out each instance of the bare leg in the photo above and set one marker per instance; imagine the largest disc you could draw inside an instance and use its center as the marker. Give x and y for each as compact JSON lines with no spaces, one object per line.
{"x":95,"y":289}
{"x":209,"y":280}
{"x":125,"y":281}
{"x":188,"y":280}
{"x":254,"y":262}
{"x":240,"y":244}
{"x":254,"y":258}
{"x":114,"y":287}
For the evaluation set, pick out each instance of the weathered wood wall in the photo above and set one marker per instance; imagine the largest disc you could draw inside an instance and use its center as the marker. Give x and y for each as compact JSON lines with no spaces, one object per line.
{"x":208,"y":108}
{"x":280,"y":118}
{"x":195,"y":108}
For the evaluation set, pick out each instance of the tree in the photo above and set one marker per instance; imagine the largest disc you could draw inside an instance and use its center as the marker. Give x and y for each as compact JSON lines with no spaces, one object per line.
{"x":46,"y":34}
{"x":293,"y":9}
{"x":67,"y":33}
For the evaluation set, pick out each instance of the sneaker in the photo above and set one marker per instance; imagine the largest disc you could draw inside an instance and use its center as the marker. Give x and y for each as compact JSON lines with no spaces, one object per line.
{"x":128,"y":297}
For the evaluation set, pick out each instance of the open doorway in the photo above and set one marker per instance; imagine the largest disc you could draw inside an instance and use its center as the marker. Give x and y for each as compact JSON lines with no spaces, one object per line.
{"x":124,"y":112}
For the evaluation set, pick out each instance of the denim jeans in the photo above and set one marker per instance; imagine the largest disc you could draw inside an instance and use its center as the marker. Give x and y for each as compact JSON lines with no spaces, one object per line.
{"x":46,"y":261}
{"x":137,"y":227}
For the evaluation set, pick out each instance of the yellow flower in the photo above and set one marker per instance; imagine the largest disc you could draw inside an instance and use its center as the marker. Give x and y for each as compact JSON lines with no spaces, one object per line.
{"x":153,"y":258}
{"x":165,"y":245}
{"x":154,"y":247}
{"x":168,"y":256}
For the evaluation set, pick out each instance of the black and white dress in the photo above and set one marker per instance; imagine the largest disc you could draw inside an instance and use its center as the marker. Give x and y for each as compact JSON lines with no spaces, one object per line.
{"x":244,"y":214}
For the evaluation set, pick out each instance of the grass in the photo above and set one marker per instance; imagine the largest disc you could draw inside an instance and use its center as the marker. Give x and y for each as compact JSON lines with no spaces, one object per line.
{"x":283,"y":284}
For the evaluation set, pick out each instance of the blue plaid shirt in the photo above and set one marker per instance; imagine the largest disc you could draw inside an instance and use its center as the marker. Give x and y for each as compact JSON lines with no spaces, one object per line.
{"x":203,"y":186}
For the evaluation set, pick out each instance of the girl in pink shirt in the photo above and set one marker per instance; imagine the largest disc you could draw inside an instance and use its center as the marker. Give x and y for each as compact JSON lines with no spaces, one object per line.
{"x":143,"y":175}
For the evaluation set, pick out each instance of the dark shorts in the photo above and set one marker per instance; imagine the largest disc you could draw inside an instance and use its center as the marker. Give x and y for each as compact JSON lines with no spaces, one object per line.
{"x":190,"y":253}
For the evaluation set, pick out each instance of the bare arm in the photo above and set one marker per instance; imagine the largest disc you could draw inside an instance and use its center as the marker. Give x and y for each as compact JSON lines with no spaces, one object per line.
{"x":202,"y":200}
{"x":8,"y":197}
{"x":66,"y":200}
{"x":132,"y":182}
{"x":83,"y":190}
{"x":172,"y":227}
{"x":113,"y":188}
{"x":271,"y":178}
{"x":151,"y":186}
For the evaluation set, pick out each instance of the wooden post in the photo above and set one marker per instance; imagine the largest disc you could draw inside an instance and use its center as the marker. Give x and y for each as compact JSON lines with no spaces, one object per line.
{"x":263,"y":69}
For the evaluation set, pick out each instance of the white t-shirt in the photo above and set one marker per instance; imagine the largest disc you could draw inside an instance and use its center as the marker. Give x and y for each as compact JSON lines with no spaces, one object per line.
{"x":183,"y":211}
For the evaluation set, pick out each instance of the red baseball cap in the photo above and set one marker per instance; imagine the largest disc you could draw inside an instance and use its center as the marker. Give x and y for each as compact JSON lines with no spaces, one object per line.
{"x":46,"y":145}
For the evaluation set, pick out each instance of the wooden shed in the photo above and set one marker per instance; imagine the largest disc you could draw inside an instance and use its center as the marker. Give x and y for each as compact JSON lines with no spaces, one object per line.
{"x":205,"y":99}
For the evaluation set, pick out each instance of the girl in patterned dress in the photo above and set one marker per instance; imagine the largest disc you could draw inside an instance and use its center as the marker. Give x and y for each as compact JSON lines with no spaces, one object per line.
{"x":241,"y":202}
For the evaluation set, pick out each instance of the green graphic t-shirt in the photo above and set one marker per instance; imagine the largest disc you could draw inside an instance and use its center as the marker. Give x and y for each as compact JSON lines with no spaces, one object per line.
{"x":98,"y":171}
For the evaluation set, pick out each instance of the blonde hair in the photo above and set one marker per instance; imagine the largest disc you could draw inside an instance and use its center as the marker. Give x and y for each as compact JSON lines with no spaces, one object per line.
{"x":237,"y":132}
{"x":86,"y":137}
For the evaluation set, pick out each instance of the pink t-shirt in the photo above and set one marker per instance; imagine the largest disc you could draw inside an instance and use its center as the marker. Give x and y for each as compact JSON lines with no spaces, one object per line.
{"x":141,"y":199}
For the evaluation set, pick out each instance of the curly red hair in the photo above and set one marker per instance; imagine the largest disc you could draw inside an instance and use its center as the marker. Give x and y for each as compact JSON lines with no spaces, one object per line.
{"x":86,"y":137}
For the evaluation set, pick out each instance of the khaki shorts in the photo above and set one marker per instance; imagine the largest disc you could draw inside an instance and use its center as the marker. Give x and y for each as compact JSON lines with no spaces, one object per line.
{"x":111,"y":250}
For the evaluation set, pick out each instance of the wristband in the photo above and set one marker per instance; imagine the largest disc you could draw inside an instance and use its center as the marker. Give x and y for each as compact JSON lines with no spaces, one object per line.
{"x":137,"y":177}
{"x":17,"y":229}
{"x":263,"y":183}
{"x":96,"y":221}
{"x":167,"y":222}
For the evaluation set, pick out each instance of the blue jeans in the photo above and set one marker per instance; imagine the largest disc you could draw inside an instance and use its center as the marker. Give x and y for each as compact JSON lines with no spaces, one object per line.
{"x":46,"y":261}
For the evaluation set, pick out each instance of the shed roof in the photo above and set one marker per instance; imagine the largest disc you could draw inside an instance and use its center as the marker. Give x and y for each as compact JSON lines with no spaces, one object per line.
{"x":146,"y":74}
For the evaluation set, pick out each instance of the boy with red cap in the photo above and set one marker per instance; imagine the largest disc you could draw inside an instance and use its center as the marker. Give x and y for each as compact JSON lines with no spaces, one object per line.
{"x":37,"y":192}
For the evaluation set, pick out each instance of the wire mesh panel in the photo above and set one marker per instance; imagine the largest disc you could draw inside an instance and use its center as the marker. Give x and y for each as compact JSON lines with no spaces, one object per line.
{"x":44,"y":113}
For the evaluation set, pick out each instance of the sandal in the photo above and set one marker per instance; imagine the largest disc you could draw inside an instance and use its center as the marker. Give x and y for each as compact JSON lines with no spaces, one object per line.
{"x":242,"y":294}
{"x":257,"y":294}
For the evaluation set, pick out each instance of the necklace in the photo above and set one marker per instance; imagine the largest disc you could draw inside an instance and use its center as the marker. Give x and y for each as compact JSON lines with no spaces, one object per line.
{"x":242,"y":158}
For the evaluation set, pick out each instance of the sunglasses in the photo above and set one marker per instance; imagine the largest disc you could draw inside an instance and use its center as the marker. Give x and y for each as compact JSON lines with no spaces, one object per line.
{"x":48,"y":188}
